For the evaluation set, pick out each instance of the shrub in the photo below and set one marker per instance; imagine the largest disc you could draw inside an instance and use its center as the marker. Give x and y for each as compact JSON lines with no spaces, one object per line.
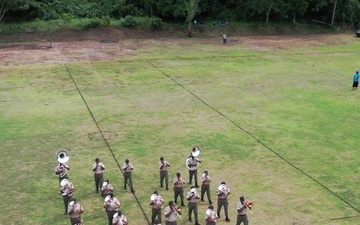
{"x":129,"y":21}
{"x":156,"y":23}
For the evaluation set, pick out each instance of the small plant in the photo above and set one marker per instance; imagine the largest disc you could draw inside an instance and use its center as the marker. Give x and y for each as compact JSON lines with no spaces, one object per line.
{"x":129,"y":21}
{"x":93,"y":23}
{"x":156,"y":23}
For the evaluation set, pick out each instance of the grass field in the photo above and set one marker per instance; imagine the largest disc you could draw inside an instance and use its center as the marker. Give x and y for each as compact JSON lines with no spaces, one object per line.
{"x":278,"y":124}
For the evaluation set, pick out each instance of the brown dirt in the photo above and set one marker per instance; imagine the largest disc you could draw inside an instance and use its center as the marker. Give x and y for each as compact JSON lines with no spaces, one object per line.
{"x":106,"y":44}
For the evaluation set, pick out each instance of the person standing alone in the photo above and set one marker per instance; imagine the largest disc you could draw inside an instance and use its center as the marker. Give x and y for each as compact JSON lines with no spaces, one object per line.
{"x":164,"y":173}
{"x":127,"y":168}
{"x":356,"y":80}
{"x":98,"y":168}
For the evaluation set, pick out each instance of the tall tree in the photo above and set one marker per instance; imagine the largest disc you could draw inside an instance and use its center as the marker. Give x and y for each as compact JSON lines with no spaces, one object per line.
{"x":298,"y":7}
{"x":192,"y":7}
{"x":6,"y":5}
{"x":333,"y":12}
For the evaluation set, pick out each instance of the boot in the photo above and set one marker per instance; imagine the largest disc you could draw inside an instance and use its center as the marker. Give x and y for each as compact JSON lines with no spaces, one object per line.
{"x":197,"y":223}
{"x":227,"y":218}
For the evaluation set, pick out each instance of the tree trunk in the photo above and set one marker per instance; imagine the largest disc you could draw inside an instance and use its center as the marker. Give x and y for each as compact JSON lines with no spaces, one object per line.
{"x":268,"y":12}
{"x":333,"y":14}
{"x":294,"y":18}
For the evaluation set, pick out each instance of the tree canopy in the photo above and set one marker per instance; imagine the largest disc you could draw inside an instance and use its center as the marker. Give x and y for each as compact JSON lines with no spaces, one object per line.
{"x":177,"y":11}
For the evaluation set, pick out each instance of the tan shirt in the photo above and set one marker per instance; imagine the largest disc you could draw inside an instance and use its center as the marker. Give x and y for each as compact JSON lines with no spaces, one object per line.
{"x":206,"y":180}
{"x":61,"y":170}
{"x":112,"y":205}
{"x":120,"y":220}
{"x":163,"y":166}
{"x":107,"y":189}
{"x":99,"y":168}
{"x":68,"y":189}
{"x":193,"y":162}
{"x":223,"y":195}
{"x":127,"y":167}
{"x":194,"y":197}
{"x":75,"y":210}
{"x":211,"y":216}
{"x":157,"y":203}
{"x":178,"y":182}
{"x":173,"y":216}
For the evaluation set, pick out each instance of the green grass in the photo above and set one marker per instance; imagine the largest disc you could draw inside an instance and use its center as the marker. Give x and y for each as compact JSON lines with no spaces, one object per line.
{"x":302,"y":168}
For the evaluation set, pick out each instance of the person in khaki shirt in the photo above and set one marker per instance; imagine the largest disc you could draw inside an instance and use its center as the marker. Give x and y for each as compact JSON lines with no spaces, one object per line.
{"x":61,"y":171}
{"x":193,"y":197}
{"x":119,"y":219}
{"x":223,"y":192}
{"x":156,"y":205}
{"x":67,"y":189}
{"x":127,"y":168}
{"x":106,"y":188}
{"x":178,"y":188}
{"x":111,"y":205}
{"x":74,"y":211}
{"x":164,"y":173}
{"x":98,"y":168}
{"x":171,"y":213}
{"x":205,"y":186}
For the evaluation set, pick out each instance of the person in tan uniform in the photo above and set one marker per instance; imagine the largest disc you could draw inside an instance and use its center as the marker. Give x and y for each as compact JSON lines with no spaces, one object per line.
{"x":164,"y":173}
{"x":156,"y":202}
{"x":98,"y":168}
{"x":67,"y":189}
{"x":111,"y":205}
{"x":119,"y":219}
{"x":61,"y":171}
{"x":205,"y":186}
{"x":171,"y":214}
{"x":210,"y":216}
{"x":74,"y":211}
{"x":223,"y":193}
{"x":193,"y":163}
{"x":127,"y":168}
{"x":106,"y":188}
{"x":193,"y":197}
{"x":178,"y":188}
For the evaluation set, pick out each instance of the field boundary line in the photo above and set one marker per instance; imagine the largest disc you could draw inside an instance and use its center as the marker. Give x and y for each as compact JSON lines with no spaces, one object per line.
{"x":103,"y":137}
{"x":255,"y":138}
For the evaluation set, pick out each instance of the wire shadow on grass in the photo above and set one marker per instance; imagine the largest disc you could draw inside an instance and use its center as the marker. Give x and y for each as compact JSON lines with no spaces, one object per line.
{"x":256,"y":139}
{"x":102,"y":133}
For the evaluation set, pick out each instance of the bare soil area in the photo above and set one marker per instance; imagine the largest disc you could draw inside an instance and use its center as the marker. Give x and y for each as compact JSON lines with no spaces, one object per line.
{"x":112,"y":44}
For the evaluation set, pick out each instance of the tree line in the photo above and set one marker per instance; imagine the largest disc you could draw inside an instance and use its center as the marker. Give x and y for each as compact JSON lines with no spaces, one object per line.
{"x":331,"y":12}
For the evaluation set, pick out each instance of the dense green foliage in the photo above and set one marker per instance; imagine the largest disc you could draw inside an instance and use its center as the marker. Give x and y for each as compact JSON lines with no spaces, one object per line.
{"x":340,"y":12}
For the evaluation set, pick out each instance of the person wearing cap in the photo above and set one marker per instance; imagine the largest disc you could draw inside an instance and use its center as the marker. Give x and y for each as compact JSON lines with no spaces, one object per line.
{"x":67,"y":189}
{"x":193,"y":197}
{"x":106,"y":188}
{"x":119,"y":219}
{"x":356,"y":80}
{"x":171,"y":213}
{"x":111,"y":205}
{"x":74,"y":211}
{"x":164,"y":173}
{"x":241,"y":210}
{"x":205,"y":186}
{"x":193,"y":162}
{"x":178,"y":188}
{"x":156,"y":203}
{"x":223,"y":193}
{"x":61,"y":171}
{"x":98,"y":168}
{"x":210,"y":216}
{"x":127,"y":168}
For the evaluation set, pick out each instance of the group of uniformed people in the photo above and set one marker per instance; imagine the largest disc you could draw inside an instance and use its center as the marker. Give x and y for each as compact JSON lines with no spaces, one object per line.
{"x":172,"y":212}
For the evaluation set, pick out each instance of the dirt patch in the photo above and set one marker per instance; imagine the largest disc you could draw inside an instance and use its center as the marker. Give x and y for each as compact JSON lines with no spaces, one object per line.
{"x":112,"y":44}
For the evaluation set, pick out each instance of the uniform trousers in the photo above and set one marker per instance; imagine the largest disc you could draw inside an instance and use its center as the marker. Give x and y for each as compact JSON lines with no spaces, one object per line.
{"x":241,"y":219}
{"x":177,"y":192}
{"x":171,"y":223}
{"x":66,"y":200}
{"x":74,"y":221}
{"x":164,"y":175}
{"x":210,"y":223}
{"x":128,"y":177}
{"x":220,"y":204}
{"x":193,"y":173}
{"x":99,"y":179}
{"x":193,"y":207}
{"x":155,"y":213}
{"x":205,"y":189}
{"x":110,"y":215}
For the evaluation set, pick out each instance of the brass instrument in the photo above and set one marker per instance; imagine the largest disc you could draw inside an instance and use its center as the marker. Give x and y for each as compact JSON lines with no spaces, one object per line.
{"x":249,"y":205}
{"x":178,"y":209}
{"x":195,"y":150}
{"x":63,"y":156}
